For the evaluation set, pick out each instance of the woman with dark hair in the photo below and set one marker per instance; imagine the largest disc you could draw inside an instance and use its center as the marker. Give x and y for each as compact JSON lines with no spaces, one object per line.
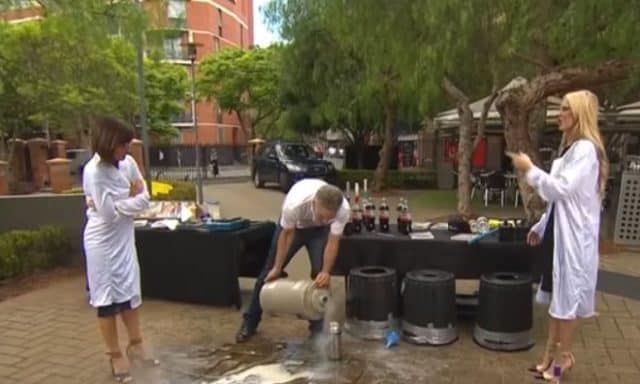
{"x":115,"y":193}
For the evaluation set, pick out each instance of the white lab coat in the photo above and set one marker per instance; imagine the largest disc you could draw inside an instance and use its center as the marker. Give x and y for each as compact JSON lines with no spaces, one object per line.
{"x":109,"y":243}
{"x":572,"y":186}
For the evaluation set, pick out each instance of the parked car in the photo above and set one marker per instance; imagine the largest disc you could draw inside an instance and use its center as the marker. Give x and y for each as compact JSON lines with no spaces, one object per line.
{"x":286,"y":162}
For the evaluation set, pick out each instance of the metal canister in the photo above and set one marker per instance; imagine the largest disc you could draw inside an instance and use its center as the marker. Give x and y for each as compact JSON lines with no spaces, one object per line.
{"x":334,"y":347}
{"x":300,"y":298}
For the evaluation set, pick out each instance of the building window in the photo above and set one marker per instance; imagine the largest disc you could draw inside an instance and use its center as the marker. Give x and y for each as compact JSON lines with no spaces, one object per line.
{"x":219,"y":115}
{"x":216,"y":44}
{"x":176,"y":12}
{"x":177,"y":8}
{"x":219,"y":22}
{"x":220,"y":135}
{"x":241,"y":37}
{"x":173,"y":49}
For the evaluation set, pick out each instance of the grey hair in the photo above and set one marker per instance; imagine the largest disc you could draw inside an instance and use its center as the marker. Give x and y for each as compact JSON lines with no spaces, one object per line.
{"x":329,"y":197}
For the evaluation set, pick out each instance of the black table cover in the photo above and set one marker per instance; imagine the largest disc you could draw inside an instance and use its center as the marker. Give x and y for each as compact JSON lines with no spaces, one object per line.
{"x":464,"y":260}
{"x":200,"y":266}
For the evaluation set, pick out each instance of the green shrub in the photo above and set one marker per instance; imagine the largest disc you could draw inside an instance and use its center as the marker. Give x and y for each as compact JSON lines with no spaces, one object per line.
{"x":182,"y":191}
{"x":420,"y":179}
{"x":26,"y":251}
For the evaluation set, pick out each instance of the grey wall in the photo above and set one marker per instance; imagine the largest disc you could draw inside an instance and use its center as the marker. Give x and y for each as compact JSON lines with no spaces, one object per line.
{"x":33,"y":211}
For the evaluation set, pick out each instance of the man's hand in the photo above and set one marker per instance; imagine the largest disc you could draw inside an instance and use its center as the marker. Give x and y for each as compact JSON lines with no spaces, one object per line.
{"x":521,"y":161}
{"x":273,"y":274}
{"x":322,"y":280}
{"x":533,"y":238}
{"x":91,"y":204}
{"x":136,"y":188}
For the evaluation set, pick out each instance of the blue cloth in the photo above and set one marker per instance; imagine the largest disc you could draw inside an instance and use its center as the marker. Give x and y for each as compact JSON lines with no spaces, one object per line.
{"x":315,"y":239}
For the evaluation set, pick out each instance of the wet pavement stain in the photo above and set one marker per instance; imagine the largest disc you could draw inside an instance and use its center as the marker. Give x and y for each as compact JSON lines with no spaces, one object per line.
{"x":208,"y":364}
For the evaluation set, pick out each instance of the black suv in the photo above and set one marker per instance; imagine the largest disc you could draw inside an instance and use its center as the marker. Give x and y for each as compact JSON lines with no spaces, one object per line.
{"x":285,"y":163}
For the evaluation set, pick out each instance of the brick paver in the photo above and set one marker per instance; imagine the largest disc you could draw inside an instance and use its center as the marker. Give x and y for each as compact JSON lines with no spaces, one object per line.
{"x":50,"y":336}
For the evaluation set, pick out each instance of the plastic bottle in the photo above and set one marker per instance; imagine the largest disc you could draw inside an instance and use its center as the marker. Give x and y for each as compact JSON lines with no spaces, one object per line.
{"x":370,"y":210}
{"x":400,"y":209}
{"x":383,"y":215}
{"x":407,"y":219}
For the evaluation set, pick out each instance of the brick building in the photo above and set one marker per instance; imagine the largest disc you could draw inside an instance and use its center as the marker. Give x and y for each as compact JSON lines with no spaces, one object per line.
{"x":213,"y":25}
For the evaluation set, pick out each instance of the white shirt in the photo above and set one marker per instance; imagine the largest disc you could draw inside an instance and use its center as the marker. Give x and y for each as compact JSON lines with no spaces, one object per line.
{"x":572,"y":186}
{"x":297,"y":209}
{"x":109,"y":236}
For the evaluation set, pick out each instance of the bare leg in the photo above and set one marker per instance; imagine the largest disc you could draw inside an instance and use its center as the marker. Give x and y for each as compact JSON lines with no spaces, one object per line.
{"x":552,"y":340}
{"x":132,"y":322}
{"x":136,"y":348}
{"x":109,"y":332}
{"x":565,"y":332}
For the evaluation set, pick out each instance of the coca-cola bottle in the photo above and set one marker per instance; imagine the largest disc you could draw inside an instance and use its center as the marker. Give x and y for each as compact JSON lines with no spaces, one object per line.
{"x":371,"y":216}
{"x":400,"y":221}
{"x":406,"y":217}
{"x":383,"y":216}
{"x":356,"y":216}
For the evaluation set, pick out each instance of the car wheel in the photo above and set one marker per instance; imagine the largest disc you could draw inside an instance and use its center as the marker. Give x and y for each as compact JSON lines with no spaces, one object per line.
{"x":257,"y":181}
{"x":285,"y":182}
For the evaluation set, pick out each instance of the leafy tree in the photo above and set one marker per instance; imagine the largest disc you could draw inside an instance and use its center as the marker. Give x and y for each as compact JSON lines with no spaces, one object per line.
{"x":321,"y":79}
{"x":166,"y":88}
{"x":245,"y":83}
{"x":78,"y":62}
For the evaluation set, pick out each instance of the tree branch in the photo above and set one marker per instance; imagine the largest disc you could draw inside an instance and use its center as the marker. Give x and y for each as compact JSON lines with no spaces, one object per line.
{"x":454,"y":92}
{"x":536,"y":62}
{"x":571,"y":79}
{"x":482,"y":124}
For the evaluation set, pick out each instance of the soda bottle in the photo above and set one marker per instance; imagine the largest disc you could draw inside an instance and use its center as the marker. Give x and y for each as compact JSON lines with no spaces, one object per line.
{"x":356,"y":216}
{"x":371,"y":216}
{"x":407,"y":218}
{"x":383,"y":215}
{"x":399,"y":210}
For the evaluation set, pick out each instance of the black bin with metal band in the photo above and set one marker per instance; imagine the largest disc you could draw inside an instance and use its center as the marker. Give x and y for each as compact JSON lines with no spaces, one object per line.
{"x":505,"y":313}
{"x":372,"y":301}
{"x":429,"y":307}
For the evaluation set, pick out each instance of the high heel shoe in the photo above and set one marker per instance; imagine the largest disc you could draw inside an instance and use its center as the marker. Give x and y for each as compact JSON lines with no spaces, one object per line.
{"x":136,"y":356}
{"x":547,"y":359}
{"x":120,"y":377}
{"x":564,"y":367}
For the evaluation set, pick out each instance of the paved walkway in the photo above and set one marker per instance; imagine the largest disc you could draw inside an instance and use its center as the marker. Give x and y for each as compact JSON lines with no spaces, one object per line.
{"x":50,"y":336}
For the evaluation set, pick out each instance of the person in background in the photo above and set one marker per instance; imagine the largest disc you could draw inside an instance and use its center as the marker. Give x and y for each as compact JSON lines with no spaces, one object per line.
{"x":314,"y":214}
{"x":213,"y":162}
{"x":115,"y":193}
{"x":573,"y":190}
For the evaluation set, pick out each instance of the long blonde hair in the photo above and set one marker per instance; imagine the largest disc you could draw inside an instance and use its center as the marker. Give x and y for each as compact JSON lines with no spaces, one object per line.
{"x":584,"y":107}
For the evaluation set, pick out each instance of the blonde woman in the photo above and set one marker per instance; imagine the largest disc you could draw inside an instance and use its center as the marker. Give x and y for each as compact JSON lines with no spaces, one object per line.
{"x":573,"y":190}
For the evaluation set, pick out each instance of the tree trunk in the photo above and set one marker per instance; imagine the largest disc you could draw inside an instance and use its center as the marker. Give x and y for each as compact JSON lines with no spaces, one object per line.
{"x":390,"y":113}
{"x":515,"y":119}
{"x":537,"y":125}
{"x":3,"y":147}
{"x":358,"y":146}
{"x":516,"y":104}
{"x":247,"y":129}
{"x":465,"y":147}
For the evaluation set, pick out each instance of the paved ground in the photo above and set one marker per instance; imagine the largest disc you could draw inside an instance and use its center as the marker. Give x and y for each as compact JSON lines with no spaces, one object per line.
{"x":50,"y":335}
